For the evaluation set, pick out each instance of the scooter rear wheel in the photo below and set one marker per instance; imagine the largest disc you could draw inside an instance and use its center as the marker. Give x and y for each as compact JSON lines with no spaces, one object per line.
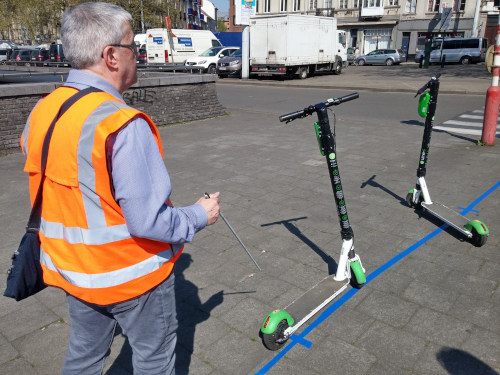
{"x":411,"y":204}
{"x":478,"y":240}
{"x":276,"y":340}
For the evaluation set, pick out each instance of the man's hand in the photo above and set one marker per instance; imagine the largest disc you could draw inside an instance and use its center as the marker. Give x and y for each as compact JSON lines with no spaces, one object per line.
{"x":211,"y":204}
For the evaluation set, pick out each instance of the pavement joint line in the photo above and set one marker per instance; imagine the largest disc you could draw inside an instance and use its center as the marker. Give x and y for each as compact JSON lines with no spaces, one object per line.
{"x":299,"y":339}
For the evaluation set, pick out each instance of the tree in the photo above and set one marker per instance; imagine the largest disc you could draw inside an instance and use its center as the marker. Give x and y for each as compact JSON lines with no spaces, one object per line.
{"x":221,"y":27}
{"x":32,"y":19}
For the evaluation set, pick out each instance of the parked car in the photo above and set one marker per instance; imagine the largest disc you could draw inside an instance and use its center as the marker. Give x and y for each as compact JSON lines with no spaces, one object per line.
{"x":456,"y":50}
{"x":350,"y":55}
{"x":231,"y":65}
{"x":21,"y":55}
{"x":39,"y":55}
{"x":3,"y":54}
{"x":208,"y":59}
{"x":56,"y":53}
{"x":389,"y":56}
{"x":142,"y":57}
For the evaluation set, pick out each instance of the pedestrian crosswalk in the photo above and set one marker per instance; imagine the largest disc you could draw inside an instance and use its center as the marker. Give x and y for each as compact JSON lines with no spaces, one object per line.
{"x":466,"y":123}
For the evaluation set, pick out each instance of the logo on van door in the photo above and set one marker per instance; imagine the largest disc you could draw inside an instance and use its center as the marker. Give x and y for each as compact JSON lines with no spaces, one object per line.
{"x":186,"y":41}
{"x":158,"y":40}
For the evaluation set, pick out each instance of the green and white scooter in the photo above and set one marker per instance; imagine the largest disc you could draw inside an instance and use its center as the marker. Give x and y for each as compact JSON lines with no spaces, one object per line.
{"x":278,"y":325}
{"x":419,"y":197}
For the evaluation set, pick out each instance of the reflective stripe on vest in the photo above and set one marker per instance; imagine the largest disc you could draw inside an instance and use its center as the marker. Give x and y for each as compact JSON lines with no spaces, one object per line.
{"x":87,"y":249}
{"x":113,"y":278}
{"x":86,"y":173}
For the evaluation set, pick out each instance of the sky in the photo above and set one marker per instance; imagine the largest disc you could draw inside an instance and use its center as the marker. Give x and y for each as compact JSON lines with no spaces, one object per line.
{"x":222,"y":5}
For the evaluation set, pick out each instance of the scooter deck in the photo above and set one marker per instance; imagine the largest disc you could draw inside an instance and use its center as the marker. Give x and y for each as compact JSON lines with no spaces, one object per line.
{"x":447,"y":215}
{"x":314,"y":297}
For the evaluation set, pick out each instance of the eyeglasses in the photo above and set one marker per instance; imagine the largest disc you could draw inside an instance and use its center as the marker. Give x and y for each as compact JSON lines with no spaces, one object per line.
{"x":133,"y":47}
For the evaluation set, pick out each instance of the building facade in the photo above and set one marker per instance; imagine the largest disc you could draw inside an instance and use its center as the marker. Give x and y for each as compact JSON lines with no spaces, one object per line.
{"x":372,"y":24}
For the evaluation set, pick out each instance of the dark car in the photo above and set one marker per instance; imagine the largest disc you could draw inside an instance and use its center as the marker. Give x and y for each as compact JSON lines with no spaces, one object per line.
{"x":21,"y":55}
{"x":39,"y":55}
{"x":142,"y":57}
{"x":350,"y":55}
{"x":388,"y":56}
{"x":230,"y":65}
{"x":56,"y":53}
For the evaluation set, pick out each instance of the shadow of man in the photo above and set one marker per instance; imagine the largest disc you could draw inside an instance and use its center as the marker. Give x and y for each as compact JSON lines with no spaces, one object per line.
{"x":190,"y":312}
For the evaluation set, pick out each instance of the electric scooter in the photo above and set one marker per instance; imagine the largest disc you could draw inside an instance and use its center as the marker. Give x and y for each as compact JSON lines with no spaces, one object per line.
{"x":278,"y":325}
{"x":419,"y":198}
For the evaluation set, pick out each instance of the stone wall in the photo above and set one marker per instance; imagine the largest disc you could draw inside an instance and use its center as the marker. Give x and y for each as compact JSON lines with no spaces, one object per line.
{"x":168,"y":98}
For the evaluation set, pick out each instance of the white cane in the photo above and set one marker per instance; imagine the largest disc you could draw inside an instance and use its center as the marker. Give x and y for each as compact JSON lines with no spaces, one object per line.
{"x":232,"y":230}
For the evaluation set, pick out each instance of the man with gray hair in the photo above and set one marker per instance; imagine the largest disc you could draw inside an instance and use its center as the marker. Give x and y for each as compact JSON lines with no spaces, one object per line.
{"x":109,"y":234}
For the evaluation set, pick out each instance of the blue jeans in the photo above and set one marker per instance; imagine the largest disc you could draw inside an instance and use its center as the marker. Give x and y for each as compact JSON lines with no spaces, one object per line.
{"x":149,"y":322}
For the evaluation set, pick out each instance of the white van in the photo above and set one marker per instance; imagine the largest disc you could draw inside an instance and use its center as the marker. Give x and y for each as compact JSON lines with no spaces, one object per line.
{"x":180,"y":45}
{"x":456,"y":50}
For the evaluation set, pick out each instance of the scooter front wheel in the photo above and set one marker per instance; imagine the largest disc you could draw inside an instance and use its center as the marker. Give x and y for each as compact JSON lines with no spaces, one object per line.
{"x":277,"y":339}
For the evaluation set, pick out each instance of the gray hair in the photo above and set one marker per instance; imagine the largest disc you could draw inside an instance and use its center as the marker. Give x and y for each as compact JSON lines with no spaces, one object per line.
{"x":87,"y":28}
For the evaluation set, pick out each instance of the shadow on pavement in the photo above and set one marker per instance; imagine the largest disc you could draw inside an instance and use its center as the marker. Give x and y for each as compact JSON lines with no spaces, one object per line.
{"x":459,"y":362}
{"x":288,"y":224}
{"x":190,"y":312}
{"x":419,"y":123}
{"x":371,"y":181}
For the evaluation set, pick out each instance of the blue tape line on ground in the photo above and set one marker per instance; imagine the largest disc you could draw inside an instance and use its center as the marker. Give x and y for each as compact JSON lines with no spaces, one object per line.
{"x":346,"y":297}
{"x":299,"y":339}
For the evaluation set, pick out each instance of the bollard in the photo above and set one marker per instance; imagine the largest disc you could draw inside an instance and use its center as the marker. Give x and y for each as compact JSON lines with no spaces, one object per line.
{"x":443,"y":59}
{"x":491,"y":116}
{"x":492,"y":99}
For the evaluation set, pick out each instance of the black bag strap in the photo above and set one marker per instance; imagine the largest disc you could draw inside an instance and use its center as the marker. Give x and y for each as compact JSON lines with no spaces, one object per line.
{"x":36,"y":211}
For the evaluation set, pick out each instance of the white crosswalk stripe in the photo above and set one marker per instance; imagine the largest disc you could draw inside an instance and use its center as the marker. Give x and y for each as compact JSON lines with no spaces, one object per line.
{"x":467,"y":123}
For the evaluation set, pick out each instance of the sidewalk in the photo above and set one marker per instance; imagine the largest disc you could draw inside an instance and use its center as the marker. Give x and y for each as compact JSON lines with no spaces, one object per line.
{"x":430,"y":306}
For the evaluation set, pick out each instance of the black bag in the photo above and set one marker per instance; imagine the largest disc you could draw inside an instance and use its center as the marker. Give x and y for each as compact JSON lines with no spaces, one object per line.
{"x":25,"y":275}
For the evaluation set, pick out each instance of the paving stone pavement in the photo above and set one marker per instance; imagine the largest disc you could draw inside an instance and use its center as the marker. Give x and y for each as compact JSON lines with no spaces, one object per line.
{"x":433,"y":312}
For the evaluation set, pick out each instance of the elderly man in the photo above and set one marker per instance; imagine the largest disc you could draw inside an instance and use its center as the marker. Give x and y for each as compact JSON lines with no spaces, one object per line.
{"x":109,"y":233}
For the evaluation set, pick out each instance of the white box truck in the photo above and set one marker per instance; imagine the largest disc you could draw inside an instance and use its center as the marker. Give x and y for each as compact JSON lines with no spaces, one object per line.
{"x":296,"y":44}
{"x":181,"y":44}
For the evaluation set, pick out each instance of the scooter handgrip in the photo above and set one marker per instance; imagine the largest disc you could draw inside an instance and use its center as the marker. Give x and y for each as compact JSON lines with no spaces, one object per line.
{"x":292,"y":116}
{"x":347,"y":98}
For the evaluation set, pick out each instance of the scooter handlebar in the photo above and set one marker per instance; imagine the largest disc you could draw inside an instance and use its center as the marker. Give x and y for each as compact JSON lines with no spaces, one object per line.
{"x":343,"y":99}
{"x":426,"y":86}
{"x":312,"y":108}
{"x":294,"y":115}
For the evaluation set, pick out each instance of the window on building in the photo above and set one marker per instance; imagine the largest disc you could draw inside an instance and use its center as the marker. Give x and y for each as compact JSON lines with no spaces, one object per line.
{"x":411,"y":6}
{"x":392,"y":2}
{"x":296,"y":5}
{"x":355,"y":4}
{"x":460,"y":5}
{"x":313,"y":4}
{"x":371,"y":3}
{"x":342,"y":4}
{"x":283,"y":5}
{"x":267,"y":6}
{"x":327,"y":4}
{"x":433,"y":5}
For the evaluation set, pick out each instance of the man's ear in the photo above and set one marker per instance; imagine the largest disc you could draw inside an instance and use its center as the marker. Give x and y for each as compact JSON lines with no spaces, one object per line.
{"x":109,"y":54}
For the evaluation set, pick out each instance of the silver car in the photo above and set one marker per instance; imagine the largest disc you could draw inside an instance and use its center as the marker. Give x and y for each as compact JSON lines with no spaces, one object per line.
{"x":230,"y":66}
{"x":389,"y":56}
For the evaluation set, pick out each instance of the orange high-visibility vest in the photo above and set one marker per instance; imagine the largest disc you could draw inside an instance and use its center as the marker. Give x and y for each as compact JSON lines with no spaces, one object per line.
{"x":86,"y":248}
